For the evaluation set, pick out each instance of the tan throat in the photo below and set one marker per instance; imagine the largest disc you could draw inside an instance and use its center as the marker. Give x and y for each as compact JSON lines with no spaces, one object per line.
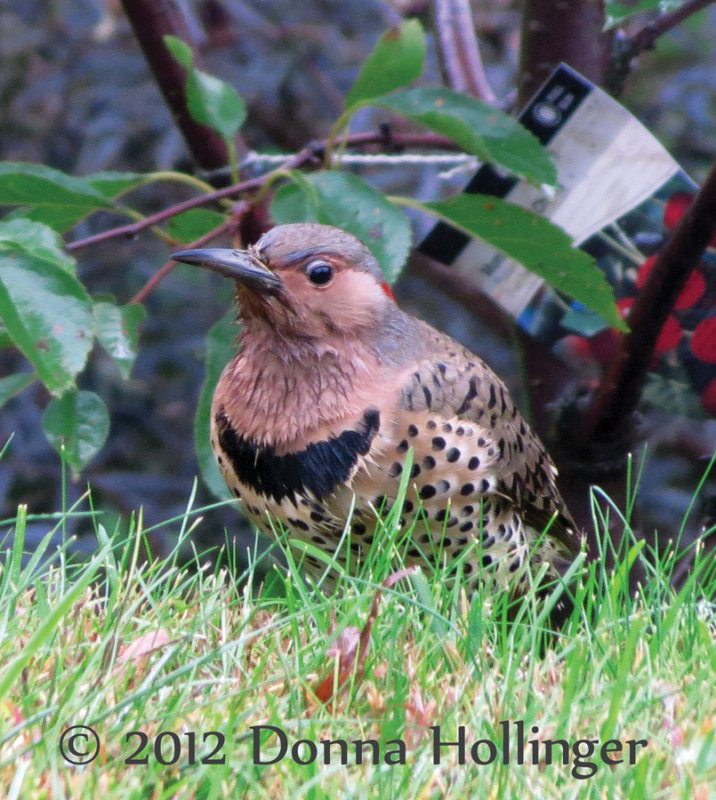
{"x":290,"y":397}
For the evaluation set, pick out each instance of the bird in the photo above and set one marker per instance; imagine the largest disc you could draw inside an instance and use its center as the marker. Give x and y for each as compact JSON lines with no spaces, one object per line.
{"x":333,"y":385}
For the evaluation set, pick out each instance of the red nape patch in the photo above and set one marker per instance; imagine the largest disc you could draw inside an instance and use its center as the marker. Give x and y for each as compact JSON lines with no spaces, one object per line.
{"x":384,"y":286}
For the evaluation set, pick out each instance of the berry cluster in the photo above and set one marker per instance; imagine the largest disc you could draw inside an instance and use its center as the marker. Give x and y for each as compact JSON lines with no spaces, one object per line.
{"x":689,"y":331}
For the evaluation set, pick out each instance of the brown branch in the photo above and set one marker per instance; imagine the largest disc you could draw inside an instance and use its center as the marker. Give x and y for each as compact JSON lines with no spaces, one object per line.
{"x":555,"y":31}
{"x":151,"y":21}
{"x":628,"y":48}
{"x":645,"y":38}
{"x":160,"y":274}
{"x":392,"y":140}
{"x":459,"y":49}
{"x":133,"y":228}
{"x":607,"y":420}
{"x":303,"y":158}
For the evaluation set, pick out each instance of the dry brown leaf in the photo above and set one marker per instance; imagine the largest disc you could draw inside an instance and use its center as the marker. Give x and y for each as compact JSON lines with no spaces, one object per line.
{"x":350,"y":649}
{"x":143,"y":646}
{"x":419,"y":716}
{"x":13,"y":711}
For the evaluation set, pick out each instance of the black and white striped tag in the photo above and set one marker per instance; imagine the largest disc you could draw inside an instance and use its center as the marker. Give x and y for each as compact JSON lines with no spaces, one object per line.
{"x":545,"y":116}
{"x":618,"y":194}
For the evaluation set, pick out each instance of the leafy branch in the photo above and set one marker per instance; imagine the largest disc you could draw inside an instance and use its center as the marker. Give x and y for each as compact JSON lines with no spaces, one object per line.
{"x":645,"y":38}
{"x":310,"y":155}
{"x":152,"y":22}
{"x":39,"y":283}
{"x":627,"y":48}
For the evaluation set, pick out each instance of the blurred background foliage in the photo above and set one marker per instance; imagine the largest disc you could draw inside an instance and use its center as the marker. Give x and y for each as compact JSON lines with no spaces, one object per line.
{"x":76,"y":94}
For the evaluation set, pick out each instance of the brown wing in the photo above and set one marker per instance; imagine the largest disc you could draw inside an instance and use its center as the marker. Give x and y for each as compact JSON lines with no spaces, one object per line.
{"x":453,"y":383}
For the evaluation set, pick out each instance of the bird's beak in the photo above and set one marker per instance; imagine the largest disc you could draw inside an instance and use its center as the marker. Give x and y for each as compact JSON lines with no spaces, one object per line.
{"x":241,"y":265}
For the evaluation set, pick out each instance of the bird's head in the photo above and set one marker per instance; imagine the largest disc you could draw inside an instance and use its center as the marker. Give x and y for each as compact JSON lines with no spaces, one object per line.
{"x":307,"y":281}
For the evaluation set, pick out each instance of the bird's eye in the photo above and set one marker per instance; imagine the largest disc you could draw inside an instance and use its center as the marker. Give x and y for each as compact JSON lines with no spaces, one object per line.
{"x":319,"y":273}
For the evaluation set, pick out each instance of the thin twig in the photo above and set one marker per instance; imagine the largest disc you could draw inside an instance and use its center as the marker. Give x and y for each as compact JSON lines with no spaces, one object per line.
{"x":627,"y":48}
{"x":300,"y":159}
{"x":645,"y":38}
{"x":132,"y":229}
{"x":459,"y":49}
{"x":607,"y":419}
{"x":160,"y":274}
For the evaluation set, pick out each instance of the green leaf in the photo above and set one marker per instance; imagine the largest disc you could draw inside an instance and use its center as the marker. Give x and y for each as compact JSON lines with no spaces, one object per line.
{"x":479,"y":128}
{"x":46,"y":311}
{"x":616,"y":12}
{"x":211,"y":101}
{"x":192,"y":224}
{"x":5,"y":340}
{"x":51,"y":196}
{"x":118,"y":332}
{"x":180,"y":50}
{"x":80,"y":422}
{"x":14,"y":384}
{"x":36,"y":239}
{"x":583,"y":322}
{"x":216,"y":104}
{"x":297,"y":201}
{"x":537,"y":244}
{"x":348,"y":202}
{"x":396,"y":60}
{"x":113,"y":184}
{"x":220,"y":349}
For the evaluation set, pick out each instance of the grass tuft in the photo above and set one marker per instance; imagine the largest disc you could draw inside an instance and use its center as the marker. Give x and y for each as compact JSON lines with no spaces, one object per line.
{"x":178,"y":664}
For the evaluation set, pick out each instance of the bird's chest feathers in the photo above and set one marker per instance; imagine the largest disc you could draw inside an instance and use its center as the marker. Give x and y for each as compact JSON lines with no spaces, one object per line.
{"x":291,"y":427}
{"x":315,"y":471}
{"x":289,"y":399}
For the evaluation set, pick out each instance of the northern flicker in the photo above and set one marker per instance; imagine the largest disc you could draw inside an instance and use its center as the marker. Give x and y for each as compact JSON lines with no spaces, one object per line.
{"x":332,"y":386}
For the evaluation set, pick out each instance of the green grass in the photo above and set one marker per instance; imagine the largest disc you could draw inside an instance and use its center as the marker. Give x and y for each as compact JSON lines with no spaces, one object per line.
{"x":122,"y":645}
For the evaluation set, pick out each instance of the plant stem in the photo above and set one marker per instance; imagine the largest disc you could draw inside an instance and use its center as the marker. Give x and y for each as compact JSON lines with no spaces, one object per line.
{"x":459,"y":49}
{"x":179,"y":177}
{"x":160,"y":274}
{"x":645,"y":38}
{"x":134,"y":228}
{"x":340,"y":123}
{"x":233,"y":162}
{"x":628,"y":48}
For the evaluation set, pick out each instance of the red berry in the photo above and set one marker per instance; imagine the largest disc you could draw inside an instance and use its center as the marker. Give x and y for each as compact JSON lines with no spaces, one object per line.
{"x":644,"y":270}
{"x":604,"y":346}
{"x":670,"y":334}
{"x":708,"y":398}
{"x":693,"y":289}
{"x":577,"y":346}
{"x":703,"y":341}
{"x":624,"y":305}
{"x":675,"y":208}
{"x":669,"y":337}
